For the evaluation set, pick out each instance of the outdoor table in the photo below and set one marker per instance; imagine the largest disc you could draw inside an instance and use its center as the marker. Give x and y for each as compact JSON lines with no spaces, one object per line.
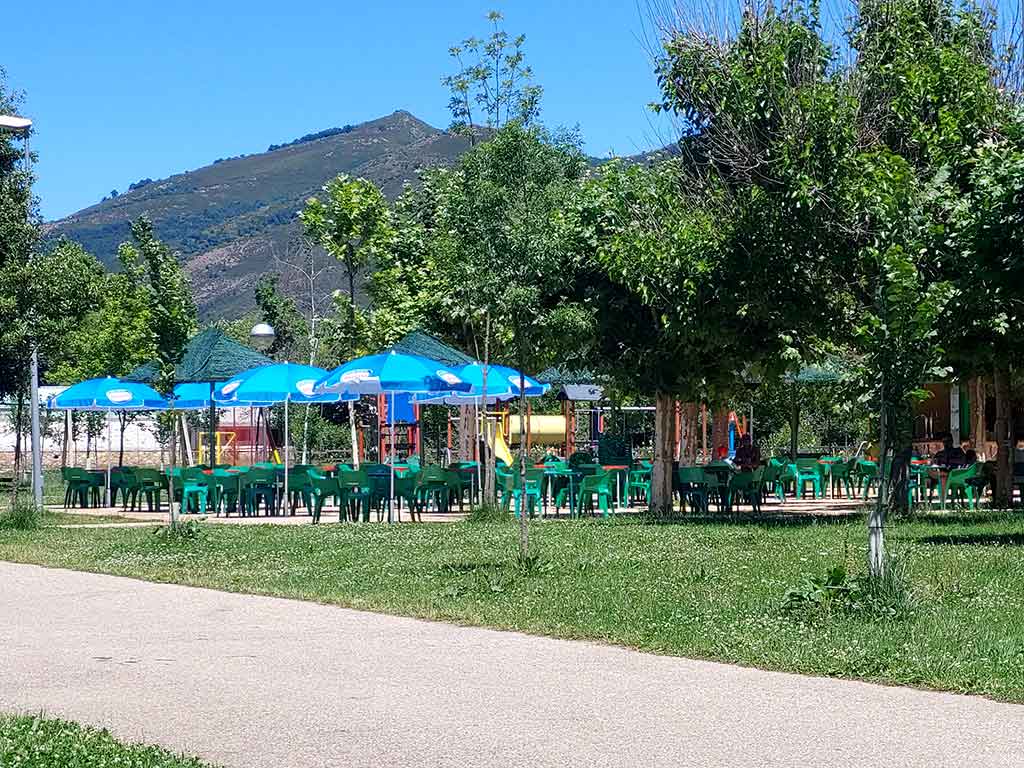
{"x":572,"y":475}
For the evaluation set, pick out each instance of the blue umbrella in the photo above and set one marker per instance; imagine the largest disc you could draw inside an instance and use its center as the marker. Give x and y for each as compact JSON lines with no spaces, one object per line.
{"x":502,"y":384}
{"x":392,"y":373}
{"x":279,"y":383}
{"x":108,"y":394}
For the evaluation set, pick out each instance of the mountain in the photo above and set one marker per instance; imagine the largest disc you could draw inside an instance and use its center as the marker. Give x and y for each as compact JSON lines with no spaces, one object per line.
{"x":228,"y":219}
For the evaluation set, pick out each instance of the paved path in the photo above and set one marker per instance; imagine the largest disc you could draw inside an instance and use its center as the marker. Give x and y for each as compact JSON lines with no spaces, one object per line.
{"x":253,"y":681}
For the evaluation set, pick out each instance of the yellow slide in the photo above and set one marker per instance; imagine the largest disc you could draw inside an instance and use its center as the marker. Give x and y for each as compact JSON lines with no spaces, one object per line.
{"x":499,"y":446}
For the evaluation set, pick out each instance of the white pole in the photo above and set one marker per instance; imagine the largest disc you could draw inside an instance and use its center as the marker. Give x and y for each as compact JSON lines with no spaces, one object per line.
{"x":391,"y":418}
{"x":478,"y":452}
{"x":108,"y":458}
{"x":286,"y":499}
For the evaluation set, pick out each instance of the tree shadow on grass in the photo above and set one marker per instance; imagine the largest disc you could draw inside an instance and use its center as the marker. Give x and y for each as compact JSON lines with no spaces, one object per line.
{"x":976,"y":539}
{"x":763,"y":520}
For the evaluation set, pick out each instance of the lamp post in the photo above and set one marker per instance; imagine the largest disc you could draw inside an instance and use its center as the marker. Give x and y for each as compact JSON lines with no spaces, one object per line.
{"x":262,"y":336}
{"x":23,"y":126}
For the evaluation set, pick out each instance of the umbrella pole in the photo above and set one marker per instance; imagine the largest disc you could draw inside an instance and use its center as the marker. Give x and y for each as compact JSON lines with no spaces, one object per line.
{"x":211,"y":437}
{"x":477,"y":452}
{"x":391,"y":418}
{"x":286,"y":441}
{"x":108,"y":458}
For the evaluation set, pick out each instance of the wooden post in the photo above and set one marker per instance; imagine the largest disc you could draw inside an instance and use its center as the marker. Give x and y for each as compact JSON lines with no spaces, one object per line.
{"x":704,"y":429}
{"x":678,"y":416}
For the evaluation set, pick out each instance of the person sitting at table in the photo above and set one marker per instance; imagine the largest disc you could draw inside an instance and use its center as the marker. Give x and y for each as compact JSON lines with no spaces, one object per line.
{"x":722,"y":456}
{"x":970,"y":455}
{"x":748,"y":455}
{"x":550,"y":456}
{"x":950,"y":457}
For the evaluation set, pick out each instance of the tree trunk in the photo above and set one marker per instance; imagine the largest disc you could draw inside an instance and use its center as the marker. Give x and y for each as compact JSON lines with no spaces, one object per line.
{"x":524,"y":529}
{"x":123,"y":423}
{"x":720,"y":432}
{"x":978,"y":396}
{"x":65,"y":442}
{"x":1004,"y":463}
{"x":900,"y":437}
{"x":466,"y":433}
{"x":18,"y":413}
{"x":664,"y":441}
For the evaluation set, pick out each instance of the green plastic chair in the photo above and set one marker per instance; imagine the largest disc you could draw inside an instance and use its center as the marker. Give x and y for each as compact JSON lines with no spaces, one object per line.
{"x":717,"y":488}
{"x":693,"y":488}
{"x":320,"y":487}
{"x":638,"y":484}
{"x":808,"y":471}
{"x":356,"y":493}
{"x":513,"y":493}
{"x":746,"y":485}
{"x":195,"y":486}
{"x":958,"y":486}
{"x":259,"y":484}
{"x":591,"y":487}
{"x":841,"y":477}
{"x":866,"y":474}
{"x":122,"y":480}
{"x":149,"y":484}
{"x":783,"y":474}
{"x":81,"y":488}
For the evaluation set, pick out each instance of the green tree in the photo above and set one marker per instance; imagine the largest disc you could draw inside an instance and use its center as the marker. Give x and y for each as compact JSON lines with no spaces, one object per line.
{"x":280,"y":311}
{"x":172,"y":315}
{"x":351,"y":223}
{"x":114,"y":337}
{"x":492,"y":81}
{"x":485,"y":253}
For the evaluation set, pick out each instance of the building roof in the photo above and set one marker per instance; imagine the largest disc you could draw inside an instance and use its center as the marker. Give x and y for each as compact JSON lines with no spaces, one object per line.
{"x":425,"y":345}
{"x":209,"y":356}
{"x":581,"y":392}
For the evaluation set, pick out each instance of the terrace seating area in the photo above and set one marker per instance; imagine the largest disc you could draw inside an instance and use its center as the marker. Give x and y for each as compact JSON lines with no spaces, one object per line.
{"x":552,"y":489}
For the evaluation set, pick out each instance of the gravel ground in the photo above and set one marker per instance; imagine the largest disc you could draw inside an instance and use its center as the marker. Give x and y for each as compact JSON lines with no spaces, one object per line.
{"x":255,"y":681}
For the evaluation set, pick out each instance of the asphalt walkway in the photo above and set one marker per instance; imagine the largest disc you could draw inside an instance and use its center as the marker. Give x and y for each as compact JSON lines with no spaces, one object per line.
{"x":255,"y":681}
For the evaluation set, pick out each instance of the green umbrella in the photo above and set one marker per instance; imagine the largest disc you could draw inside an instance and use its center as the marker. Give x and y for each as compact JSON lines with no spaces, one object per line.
{"x":209,"y":357}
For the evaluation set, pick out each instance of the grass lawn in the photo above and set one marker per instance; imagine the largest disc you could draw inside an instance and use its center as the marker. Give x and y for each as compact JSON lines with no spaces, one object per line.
{"x":35,"y":742}
{"x":706,"y":589}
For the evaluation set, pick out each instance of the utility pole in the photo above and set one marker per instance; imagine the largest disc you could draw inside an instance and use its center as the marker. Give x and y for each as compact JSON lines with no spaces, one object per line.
{"x":23,"y":126}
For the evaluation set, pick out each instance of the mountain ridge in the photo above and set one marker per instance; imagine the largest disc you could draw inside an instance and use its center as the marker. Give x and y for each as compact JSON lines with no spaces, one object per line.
{"x":229,"y":218}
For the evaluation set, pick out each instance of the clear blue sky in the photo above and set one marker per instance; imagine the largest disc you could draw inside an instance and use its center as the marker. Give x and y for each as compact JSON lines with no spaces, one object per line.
{"x":121,"y":91}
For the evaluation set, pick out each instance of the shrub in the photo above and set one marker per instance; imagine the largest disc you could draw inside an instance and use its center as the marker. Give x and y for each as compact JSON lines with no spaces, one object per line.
{"x":186,"y":530}
{"x":888,"y":596}
{"x":23,"y":516}
{"x":489,"y":512}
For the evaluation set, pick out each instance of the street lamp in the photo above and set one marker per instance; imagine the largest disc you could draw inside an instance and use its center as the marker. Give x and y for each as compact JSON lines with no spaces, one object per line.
{"x":23,"y":126}
{"x":262,"y":335}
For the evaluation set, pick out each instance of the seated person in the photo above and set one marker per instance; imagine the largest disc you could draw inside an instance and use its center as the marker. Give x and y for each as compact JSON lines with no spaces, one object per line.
{"x":748,"y":455}
{"x":550,"y":456}
{"x":949,"y":457}
{"x":970,"y":455}
{"x":722,"y":455}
